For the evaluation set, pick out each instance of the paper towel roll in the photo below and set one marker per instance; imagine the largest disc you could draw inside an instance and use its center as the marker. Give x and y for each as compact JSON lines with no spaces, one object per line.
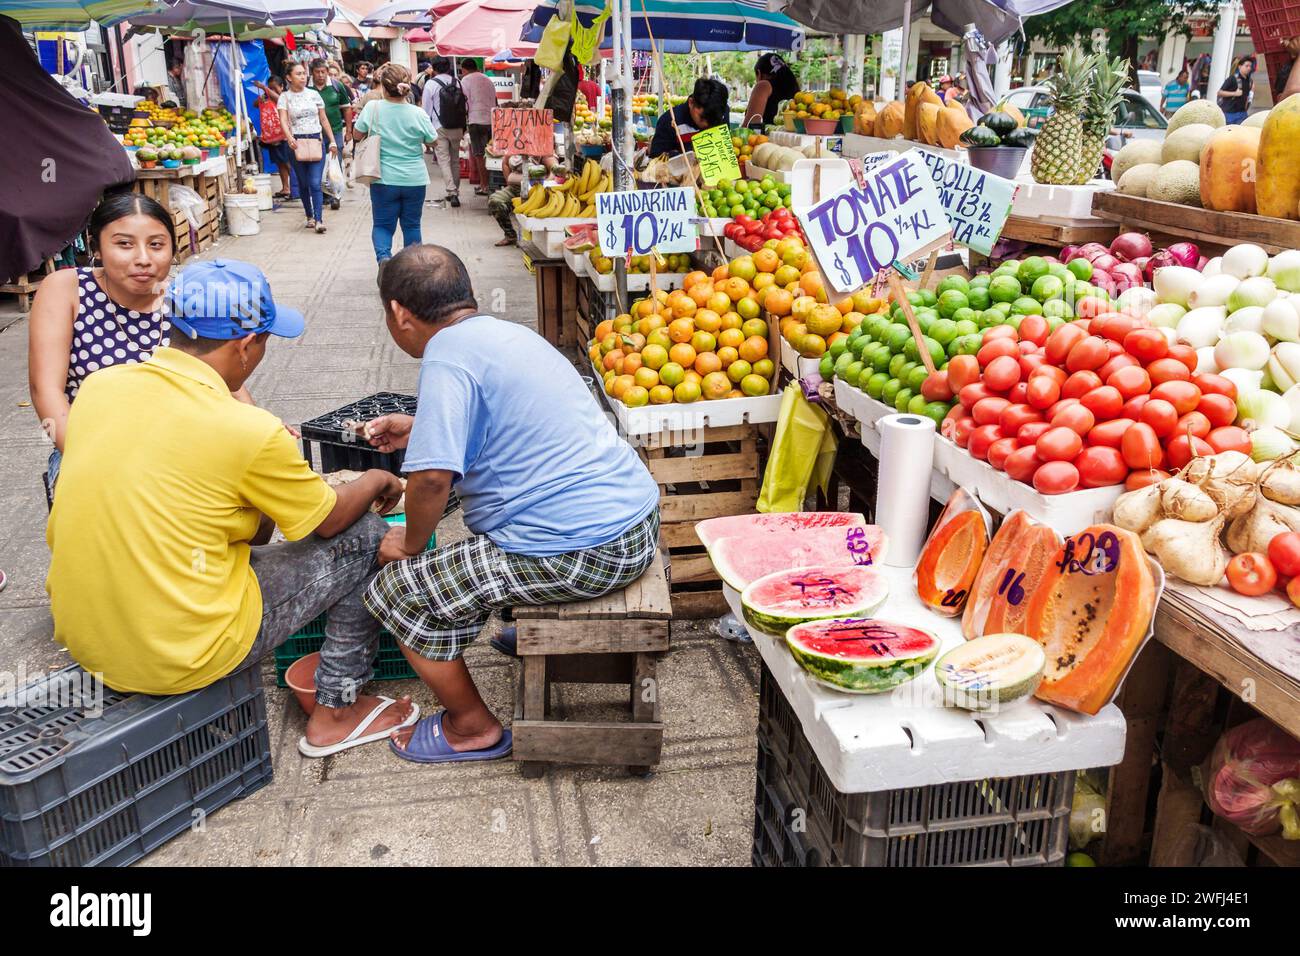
{"x":903,"y":488}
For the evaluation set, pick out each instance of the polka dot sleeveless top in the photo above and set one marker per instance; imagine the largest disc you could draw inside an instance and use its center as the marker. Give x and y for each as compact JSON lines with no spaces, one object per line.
{"x":106,"y":334}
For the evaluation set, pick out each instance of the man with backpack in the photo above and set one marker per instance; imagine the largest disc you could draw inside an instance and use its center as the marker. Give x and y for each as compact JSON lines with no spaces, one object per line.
{"x":338,"y":110}
{"x":445,"y":102}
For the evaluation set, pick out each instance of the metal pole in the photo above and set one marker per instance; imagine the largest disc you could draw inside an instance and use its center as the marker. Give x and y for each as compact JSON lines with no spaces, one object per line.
{"x":907,"y":46}
{"x":622,"y":154}
{"x":1225,"y":38}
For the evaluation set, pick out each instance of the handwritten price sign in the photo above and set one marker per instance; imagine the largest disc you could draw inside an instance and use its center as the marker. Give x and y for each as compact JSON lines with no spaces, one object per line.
{"x":863,"y":229}
{"x":522,"y":132}
{"x":715,"y":154}
{"x":642,"y":220}
{"x":977,"y":203}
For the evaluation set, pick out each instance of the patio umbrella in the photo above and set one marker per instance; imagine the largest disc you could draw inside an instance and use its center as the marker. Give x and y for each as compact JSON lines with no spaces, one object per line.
{"x":996,"y":19}
{"x":683,"y":26}
{"x":403,"y":13}
{"x":72,"y":14}
{"x":481,"y":27}
{"x":184,"y":16}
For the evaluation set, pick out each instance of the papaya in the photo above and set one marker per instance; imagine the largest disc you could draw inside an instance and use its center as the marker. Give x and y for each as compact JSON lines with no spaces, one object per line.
{"x":946,"y":569}
{"x":927,"y":124}
{"x":1277,"y":189}
{"x":1002,"y":549}
{"x":953,"y":121}
{"x":864,"y":118}
{"x":911,"y":107}
{"x":889,"y":121}
{"x":1035,"y":550}
{"x":1228,"y":169}
{"x":1090,"y":612}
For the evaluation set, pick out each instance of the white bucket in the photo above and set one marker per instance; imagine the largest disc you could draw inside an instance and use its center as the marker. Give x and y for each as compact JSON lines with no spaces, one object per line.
{"x":243,"y":218}
{"x":265,"y":191}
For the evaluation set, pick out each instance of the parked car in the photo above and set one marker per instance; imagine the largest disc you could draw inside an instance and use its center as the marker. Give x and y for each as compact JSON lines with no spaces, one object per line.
{"x":1149,"y":86}
{"x":1137,"y":118}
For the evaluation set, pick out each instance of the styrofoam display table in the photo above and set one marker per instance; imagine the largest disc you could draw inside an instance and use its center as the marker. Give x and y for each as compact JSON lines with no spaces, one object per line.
{"x":792,"y":361}
{"x":687,"y":419}
{"x":907,"y":738}
{"x":637,"y":281}
{"x":548,"y":234}
{"x":577,"y":262}
{"x":1041,"y":201}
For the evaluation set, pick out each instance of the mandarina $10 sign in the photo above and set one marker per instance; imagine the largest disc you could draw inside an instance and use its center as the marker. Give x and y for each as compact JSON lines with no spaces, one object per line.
{"x":862,"y":230}
{"x":643,"y":220}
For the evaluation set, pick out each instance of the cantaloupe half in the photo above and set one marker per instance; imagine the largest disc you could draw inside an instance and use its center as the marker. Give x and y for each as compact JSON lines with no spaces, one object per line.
{"x":950,"y":560}
{"x":1090,"y":613}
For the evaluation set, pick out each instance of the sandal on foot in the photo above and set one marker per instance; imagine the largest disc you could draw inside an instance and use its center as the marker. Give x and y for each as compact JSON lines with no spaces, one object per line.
{"x":504,"y":242}
{"x":320,"y":228}
{"x":428,"y":744}
{"x":311,"y":224}
{"x":359,"y":735}
{"x":507,"y":642}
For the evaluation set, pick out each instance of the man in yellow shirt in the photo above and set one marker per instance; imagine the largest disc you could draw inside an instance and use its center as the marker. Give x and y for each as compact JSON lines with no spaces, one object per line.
{"x":160,"y":576}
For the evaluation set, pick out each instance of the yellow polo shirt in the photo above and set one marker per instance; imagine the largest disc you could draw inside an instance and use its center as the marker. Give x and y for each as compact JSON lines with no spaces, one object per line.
{"x":163,"y":482}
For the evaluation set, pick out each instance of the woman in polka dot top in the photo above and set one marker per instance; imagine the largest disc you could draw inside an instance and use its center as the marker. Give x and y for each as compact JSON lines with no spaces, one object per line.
{"x":87,"y":319}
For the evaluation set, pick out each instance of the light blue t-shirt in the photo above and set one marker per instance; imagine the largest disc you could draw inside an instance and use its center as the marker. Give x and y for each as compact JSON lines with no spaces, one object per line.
{"x":541,"y":469}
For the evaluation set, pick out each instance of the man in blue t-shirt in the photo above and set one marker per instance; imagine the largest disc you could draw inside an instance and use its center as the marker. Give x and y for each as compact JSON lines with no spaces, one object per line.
{"x":560,"y":507}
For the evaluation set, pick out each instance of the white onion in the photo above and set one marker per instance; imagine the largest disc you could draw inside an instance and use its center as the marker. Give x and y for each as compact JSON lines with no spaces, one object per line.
{"x":1281,"y":320}
{"x":1136,"y":301}
{"x":1201,"y":327}
{"x":1171,"y":337}
{"x":1283,"y":365}
{"x":1284,"y":269}
{"x":1292,"y":398}
{"x":1166,"y":314}
{"x":1257,"y":291}
{"x":1268,"y":444}
{"x":1213,"y":291}
{"x":1244,"y":261}
{"x":1214,"y":267}
{"x":1242,"y":350}
{"x":1247,"y":381}
{"x":1175,"y":283}
{"x":1263,"y":409}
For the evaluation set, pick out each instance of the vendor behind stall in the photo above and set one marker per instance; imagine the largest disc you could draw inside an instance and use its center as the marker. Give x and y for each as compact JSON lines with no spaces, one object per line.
{"x":775,"y":84}
{"x":704,"y":108}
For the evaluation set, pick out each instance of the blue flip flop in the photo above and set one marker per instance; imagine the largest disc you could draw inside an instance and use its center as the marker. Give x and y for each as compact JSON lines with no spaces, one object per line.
{"x":428,"y":744}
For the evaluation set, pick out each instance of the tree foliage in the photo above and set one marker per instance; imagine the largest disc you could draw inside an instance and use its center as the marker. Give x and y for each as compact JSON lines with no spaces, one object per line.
{"x":1126,"y":22}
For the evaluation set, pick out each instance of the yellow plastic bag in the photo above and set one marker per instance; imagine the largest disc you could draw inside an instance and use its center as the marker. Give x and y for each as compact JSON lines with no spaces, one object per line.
{"x":803,"y":452}
{"x":587,"y":39}
{"x":554,"y":41}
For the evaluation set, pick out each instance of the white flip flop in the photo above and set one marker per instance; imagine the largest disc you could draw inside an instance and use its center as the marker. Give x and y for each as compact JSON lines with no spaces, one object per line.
{"x":359,"y":735}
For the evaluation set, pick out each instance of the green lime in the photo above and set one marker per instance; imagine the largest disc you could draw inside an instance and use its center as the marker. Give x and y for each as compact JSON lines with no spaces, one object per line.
{"x":953,"y":282}
{"x":916,"y":378}
{"x":1004,"y":288}
{"x":896,"y":364}
{"x":1080,"y":268}
{"x":901,"y":399}
{"x":1059,"y":270}
{"x":1047,"y":287}
{"x":917,"y":404}
{"x":1057,"y":309}
{"x":895,"y":336}
{"x":979,"y":297}
{"x":826,"y":367}
{"x":937,"y":411}
{"x":1079,"y":859}
{"x":952,"y":300}
{"x":967,"y":344}
{"x":981,"y":281}
{"x":943,"y":331}
{"x":1032,"y":269}
{"x":837,"y":349}
{"x":890,"y":391}
{"x":1027,"y":305}
{"x":853,"y":373}
{"x":875,"y":384}
{"x":1003,"y":307}
{"x":1055,"y":322}
{"x":991,"y":317}
{"x":965,"y":315}
{"x":881,"y":358}
{"x":968,"y":326}
{"x":928,"y":298}
{"x":843,"y":362}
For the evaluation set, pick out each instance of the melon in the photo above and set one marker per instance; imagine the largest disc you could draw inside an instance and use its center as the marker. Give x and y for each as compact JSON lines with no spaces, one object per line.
{"x":1090,"y":613}
{"x":990,"y":671}
{"x":731,"y":526}
{"x":1187,"y":143}
{"x":1179,"y":181}
{"x":742,"y":559}
{"x":1196,"y":111}
{"x":952,"y":554}
{"x":1256,"y":119}
{"x":1139,"y":152}
{"x":1137,"y":180}
{"x":777,"y":602}
{"x":861,"y":656}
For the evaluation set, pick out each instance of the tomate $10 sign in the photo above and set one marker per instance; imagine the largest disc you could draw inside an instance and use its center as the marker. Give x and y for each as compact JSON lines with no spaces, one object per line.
{"x":641,"y":221}
{"x":862,"y":230}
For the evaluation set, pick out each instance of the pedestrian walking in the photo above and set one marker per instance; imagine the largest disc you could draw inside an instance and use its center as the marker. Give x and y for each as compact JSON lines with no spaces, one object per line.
{"x":273,"y":136}
{"x":338,"y":110}
{"x":444,"y":101}
{"x":1175,"y":93}
{"x":403,"y":129}
{"x":1235,"y":94}
{"x":481,"y":97}
{"x":302,"y":114}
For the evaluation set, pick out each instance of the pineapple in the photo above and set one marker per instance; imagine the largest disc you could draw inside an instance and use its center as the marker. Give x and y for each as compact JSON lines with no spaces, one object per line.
{"x":1104,"y":101}
{"x":1058,"y":151}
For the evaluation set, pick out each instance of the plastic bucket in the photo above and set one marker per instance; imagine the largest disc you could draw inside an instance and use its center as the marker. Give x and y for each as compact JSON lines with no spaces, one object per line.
{"x":265,"y":191}
{"x":243,"y":218}
{"x":1004,"y":161}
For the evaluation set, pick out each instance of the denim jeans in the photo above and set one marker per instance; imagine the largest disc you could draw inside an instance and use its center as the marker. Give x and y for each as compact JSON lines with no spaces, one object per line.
{"x":1235,"y":119}
{"x":300,"y":581}
{"x":390,"y":205}
{"x":309,"y":177}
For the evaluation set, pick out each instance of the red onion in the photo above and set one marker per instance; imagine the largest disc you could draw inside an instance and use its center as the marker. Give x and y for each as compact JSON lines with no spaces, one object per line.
{"x":1200,"y":264}
{"x":1186,"y":253}
{"x":1160,"y":260}
{"x":1105,"y":262}
{"x":1104,"y":281}
{"x":1091,"y":250}
{"x":1070,"y":252}
{"x":1128,"y":246}
{"x":1141,"y":263}
{"x":1126,"y":275}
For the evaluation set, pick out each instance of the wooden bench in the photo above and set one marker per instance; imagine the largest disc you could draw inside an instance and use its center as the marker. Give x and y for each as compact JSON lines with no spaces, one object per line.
{"x":615,"y":639}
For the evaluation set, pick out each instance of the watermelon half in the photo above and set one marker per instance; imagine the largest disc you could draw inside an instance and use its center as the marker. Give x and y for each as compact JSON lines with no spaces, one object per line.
{"x":861,"y":656}
{"x":987,"y":672}
{"x":777,"y":602}
{"x":733,"y":526}
{"x":743,"y":559}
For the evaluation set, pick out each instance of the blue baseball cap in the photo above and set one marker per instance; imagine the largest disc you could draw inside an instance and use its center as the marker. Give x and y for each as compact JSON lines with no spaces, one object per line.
{"x":227,"y":299}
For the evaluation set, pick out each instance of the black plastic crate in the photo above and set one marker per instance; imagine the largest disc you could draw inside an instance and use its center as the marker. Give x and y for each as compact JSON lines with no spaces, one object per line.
{"x":118,"y":118}
{"x":1004,"y":821}
{"x":340,"y":448}
{"x":87,"y":783}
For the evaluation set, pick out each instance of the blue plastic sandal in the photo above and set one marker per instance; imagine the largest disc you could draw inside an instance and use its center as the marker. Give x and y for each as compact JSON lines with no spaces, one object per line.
{"x":428,"y":744}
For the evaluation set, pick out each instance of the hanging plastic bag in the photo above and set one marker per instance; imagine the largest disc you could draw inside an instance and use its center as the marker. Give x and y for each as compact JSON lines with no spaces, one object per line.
{"x":554,"y":41}
{"x":803,"y":453}
{"x":952,"y":554}
{"x":586,"y":40}
{"x":186,"y":200}
{"x":1252,"y":779}
{"x":334,"y":182}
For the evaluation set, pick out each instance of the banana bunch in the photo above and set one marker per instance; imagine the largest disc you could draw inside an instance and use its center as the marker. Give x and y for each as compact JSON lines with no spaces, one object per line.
{"x":575,"y":199}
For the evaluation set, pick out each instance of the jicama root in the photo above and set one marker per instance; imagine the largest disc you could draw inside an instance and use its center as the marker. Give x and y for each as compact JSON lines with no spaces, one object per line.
{"x":1255,"y":529}
{"x":1186,"y":501}
{"x":1228,"y":477}
{"x":1281,"y":481}
{"x":1137,"y":510}
{"x":1189,"y":550}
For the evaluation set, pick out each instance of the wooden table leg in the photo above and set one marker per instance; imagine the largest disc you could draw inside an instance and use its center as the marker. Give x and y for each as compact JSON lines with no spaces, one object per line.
{"x":644,"y":699}
{"x":536,"y":697}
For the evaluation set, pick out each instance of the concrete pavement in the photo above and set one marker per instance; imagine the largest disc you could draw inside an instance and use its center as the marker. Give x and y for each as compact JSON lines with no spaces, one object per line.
{"x":366,"y":806}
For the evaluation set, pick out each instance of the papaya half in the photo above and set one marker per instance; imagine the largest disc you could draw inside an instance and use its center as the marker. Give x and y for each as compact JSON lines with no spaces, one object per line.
{"x":1022,"y":577}
{"x":1277,"y":187}
{"x":950,"y":560}
{"x":953,"y":121}
{"x":889,"y":121}
{"x":1228,"y":171}
{"x":1090,"y":613}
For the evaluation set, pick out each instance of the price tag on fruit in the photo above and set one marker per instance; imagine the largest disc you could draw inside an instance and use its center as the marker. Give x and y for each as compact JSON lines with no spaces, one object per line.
{"x":715,"y":154}
{"x":862,"y":230}
{"x":977,"y":203}
{"x":522,"y":132}
{"x":639,"y":221}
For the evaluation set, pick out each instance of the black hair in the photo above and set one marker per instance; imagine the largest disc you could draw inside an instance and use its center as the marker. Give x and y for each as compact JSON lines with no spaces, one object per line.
{"x":120,"y":204}
{"x":784,"y":83}
{"x":469,"y":64}
{"x":441,"y":65}
{"x":710,"y":97}
{"x":317,"y":63}
{"x":431,"y":281}
{"x":199,"y":345}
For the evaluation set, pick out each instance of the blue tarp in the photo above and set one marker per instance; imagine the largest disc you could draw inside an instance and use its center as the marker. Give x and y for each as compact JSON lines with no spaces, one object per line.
{"x":253,"y":60}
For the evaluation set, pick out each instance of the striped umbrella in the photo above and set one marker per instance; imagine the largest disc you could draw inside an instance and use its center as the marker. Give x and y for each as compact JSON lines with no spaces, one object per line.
{"x":680,"y":26}
{"x":73,"y":14}
{"x":411,"y":14}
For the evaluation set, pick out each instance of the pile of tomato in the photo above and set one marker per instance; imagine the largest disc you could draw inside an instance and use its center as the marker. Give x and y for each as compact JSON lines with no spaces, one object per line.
{"x":1103,"y":400}
{"x":750,"y":233}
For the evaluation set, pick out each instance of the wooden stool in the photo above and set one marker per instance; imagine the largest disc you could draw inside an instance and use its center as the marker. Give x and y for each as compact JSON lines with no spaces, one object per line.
{"x":614,"y":639}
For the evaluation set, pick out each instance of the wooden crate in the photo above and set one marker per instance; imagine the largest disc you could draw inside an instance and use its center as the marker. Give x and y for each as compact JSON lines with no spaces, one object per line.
{"x":556,"y":300}
{"x":707,"y":474}
{"x":1213,"y":231}
{"x":24,"y":286}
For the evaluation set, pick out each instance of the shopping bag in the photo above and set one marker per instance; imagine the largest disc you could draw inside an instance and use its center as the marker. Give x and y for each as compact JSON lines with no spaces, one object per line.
{"x":586,"y":40}
{"x":333,"y":181}
{"x":551,"y":47}
{"x":803,"y":454}
{"x":365,"y":160}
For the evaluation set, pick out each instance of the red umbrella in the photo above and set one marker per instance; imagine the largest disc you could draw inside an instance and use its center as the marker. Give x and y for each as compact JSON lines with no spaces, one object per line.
{"x":481,"y":27}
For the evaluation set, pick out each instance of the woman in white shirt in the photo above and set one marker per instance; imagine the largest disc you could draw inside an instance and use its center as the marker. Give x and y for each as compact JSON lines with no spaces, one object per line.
{"x":302,"y":114}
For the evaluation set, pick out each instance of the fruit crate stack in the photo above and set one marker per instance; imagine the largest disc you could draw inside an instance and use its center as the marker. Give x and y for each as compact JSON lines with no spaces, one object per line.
{"x":92,"y":777}
{"x":801,"y":819}
{"x":330,"y":445}
{"x":190,"y":239}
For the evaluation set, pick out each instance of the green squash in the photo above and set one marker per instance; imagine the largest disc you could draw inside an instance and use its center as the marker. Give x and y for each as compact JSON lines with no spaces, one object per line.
{"x":980,"y":136}
{"x":1020,"y":136}
{"x":1001,"y":123}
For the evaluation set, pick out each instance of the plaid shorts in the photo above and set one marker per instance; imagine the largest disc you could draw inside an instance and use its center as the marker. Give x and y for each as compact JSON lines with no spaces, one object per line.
{"x":437,"y":603}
